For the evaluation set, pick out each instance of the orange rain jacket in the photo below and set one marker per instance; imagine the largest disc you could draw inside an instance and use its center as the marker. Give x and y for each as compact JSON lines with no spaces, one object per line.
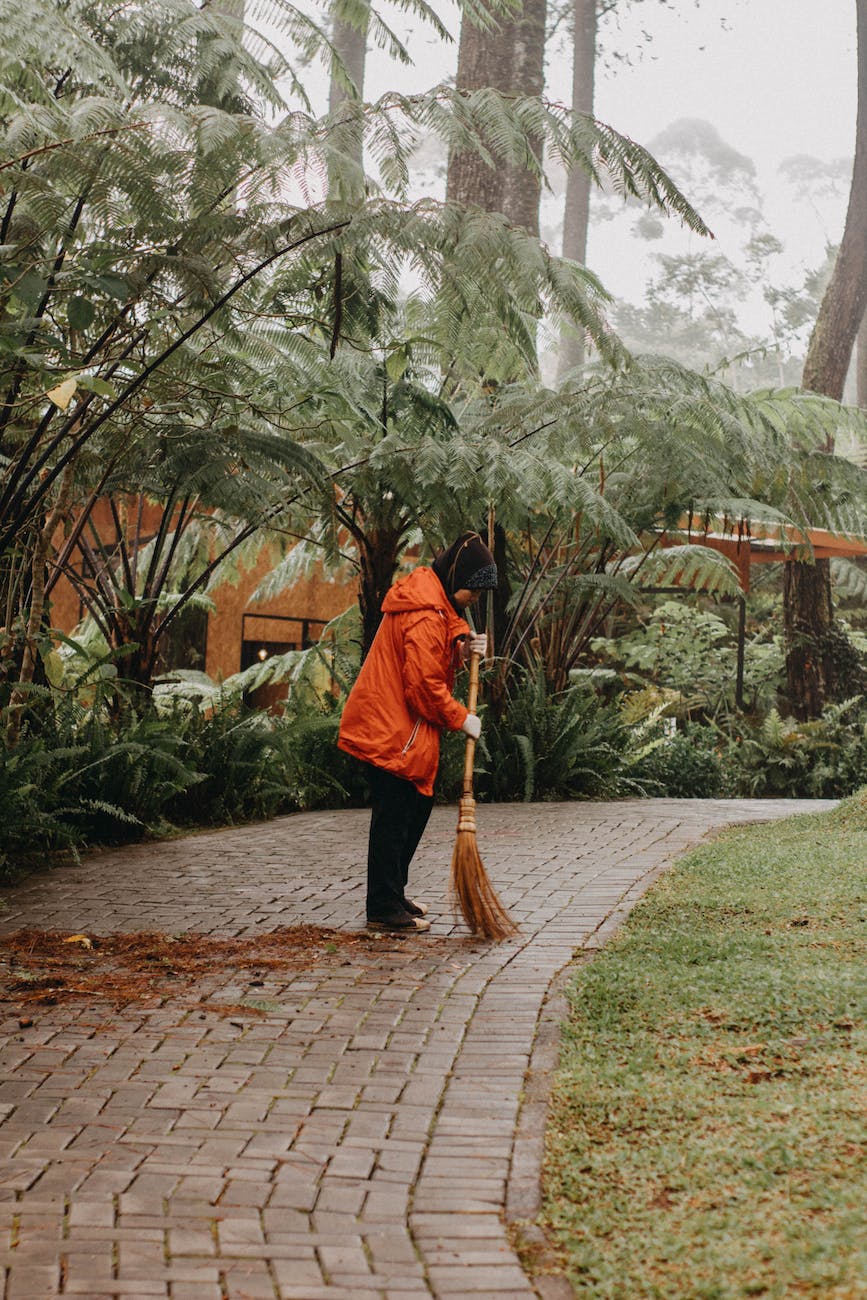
{"x":402,"y":697}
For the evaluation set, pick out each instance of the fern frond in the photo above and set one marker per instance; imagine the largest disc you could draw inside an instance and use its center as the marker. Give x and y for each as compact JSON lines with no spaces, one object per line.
{"x":690,"y":567}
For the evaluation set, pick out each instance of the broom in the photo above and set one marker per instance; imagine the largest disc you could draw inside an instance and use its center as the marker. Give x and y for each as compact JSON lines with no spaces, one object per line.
{"x":470,"y":886}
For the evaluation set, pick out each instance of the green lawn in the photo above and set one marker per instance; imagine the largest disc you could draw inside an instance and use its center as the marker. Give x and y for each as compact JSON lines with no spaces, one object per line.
{"x":708,"y":1134}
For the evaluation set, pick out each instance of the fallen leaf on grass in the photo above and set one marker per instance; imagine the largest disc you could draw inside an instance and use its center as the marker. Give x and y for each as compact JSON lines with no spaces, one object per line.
{"x":763,"y":1076}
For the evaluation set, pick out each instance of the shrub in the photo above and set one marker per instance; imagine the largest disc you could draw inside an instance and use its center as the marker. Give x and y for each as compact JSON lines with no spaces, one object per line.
{"x":560,"y":745}
{"x":781,"y":757}
{"x":77,"y":776}
{"x":684,"y":766}
{"x":323,"y":776}
{"x":33,"y":822}
{"x":682,"y":648}
{"x":127,"y":774}
{"x":242,"y":767}
{"x":693,"y":652}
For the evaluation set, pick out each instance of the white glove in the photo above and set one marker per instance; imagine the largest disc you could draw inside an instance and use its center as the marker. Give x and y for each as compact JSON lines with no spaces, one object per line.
{"x":476,"y":644}
{"x":472,"y":726}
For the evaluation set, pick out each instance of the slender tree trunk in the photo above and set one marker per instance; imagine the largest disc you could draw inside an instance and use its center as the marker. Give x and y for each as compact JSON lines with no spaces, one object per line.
{"x":842,"y":310}
{"x":484,"y":59}
{"x":346,"y":165}
{"x":503,"y":590}
{"x":807,"y":588}
{"x":509,"y":59}
{"x":522,"y":188}
{"x":496,"y":618}
{"x":350,"y":44}
{"x":576,"y":215}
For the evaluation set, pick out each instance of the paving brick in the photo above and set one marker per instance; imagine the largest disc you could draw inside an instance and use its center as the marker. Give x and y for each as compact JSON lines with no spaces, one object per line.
{"x":197,"y":1291}
{"x":190,"y":1241}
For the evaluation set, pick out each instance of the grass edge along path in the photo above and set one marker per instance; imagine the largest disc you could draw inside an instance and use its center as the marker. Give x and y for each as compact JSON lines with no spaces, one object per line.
{"x":707,"y":1135}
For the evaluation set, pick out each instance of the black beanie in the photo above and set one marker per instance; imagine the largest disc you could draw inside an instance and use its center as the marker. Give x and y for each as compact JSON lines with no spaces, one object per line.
{"x":467,"y":563}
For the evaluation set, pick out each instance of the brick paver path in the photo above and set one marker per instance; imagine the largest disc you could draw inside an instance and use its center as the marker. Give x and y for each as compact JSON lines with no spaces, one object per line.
{"x":365,"y":1139}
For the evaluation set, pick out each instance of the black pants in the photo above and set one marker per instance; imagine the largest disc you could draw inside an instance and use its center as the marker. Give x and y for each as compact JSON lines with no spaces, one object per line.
{"x":399,"y":814}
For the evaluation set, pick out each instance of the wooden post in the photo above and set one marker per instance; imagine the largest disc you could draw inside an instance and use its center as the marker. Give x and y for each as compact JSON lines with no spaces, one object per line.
{"x":742,"y":636}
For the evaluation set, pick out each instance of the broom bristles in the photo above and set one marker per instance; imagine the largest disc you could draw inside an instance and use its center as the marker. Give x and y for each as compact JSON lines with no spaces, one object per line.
{"x":470,"y":886}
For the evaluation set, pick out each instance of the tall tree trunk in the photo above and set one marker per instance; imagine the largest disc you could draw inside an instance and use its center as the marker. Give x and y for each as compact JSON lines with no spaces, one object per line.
{"x":509,"y":59}
{"x":378,"y":554}
{"x":484,"y":59}
{"x":808,"y":617}
{"x":522,"y":188}
{"x":843,"y":305}
{"x":807,"y":588}
{"x":576,"y":215}
{"x":350,"y":45}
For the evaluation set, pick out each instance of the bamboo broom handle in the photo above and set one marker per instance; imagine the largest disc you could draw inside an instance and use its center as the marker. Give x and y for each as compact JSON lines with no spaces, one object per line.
{"x":470,"y":754}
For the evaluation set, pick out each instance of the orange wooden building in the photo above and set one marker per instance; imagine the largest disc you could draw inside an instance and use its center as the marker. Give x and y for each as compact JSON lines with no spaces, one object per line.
{"x":238,"y":631}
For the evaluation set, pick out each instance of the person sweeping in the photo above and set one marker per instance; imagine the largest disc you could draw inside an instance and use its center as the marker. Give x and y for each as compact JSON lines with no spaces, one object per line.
{"x":401,"y":701}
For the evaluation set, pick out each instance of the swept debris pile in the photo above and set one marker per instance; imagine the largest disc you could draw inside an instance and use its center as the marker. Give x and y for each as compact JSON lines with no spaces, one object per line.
{"x":44,"y":967}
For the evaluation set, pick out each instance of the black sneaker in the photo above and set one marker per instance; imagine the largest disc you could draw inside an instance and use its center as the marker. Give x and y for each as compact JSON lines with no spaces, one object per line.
{"x":414,"y":908}
{"x":405,"y":925}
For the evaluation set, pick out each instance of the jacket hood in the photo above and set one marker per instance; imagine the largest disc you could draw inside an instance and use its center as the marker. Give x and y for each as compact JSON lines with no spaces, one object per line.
{"x":420,"y":589}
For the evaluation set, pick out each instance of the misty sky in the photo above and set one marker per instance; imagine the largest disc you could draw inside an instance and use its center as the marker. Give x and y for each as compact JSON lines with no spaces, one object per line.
{"x":776,"y":77}
{"x":779,"y":79}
